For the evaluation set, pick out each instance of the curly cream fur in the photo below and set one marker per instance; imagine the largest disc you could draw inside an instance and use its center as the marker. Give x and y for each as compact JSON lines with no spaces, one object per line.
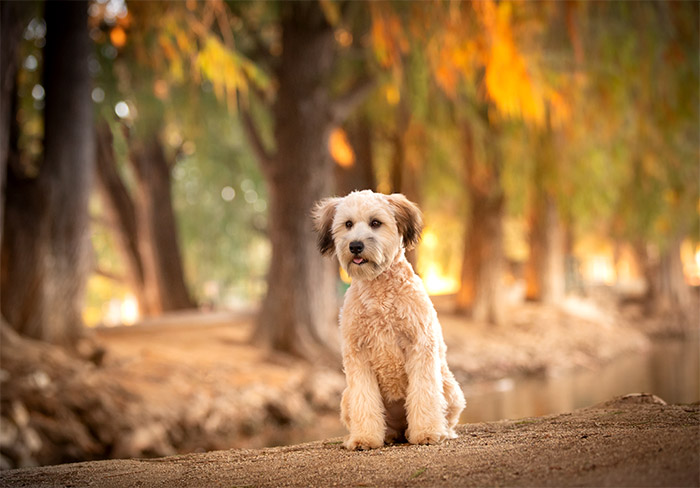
{"x":398,"y":381}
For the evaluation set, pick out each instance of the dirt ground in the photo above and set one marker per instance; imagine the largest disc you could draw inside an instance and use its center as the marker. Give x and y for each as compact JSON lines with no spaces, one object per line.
{"x":193,"y":383}
{"x":629,"y":441}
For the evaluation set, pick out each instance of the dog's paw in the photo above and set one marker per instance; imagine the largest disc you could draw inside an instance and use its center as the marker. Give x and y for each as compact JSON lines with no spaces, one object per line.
{"x":362,"y":443}
{"x":426,"y":438}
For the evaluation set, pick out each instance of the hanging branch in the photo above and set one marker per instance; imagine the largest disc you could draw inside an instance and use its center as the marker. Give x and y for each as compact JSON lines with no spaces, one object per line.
{"x":253,"y":135}
{"x":344,"y":105}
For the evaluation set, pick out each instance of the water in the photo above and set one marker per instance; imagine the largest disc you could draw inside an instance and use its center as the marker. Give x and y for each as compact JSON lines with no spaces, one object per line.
{"x":670,"y":370}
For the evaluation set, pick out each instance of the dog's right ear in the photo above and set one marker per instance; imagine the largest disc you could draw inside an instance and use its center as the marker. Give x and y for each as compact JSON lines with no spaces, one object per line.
{"x":323,"y":214}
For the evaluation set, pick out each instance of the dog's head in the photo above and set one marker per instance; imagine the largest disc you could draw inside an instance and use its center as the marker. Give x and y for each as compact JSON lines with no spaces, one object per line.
{"x":366,"y":230}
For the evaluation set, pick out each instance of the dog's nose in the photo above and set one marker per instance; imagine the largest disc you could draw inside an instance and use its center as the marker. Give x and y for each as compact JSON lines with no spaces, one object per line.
{"x":356,"y":247}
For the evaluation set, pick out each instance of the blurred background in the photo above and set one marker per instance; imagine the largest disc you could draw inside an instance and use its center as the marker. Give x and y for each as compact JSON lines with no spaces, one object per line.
{"x":161,"y":289}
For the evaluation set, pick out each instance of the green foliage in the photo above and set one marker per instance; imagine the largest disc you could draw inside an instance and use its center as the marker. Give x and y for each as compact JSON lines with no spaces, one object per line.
{"x":184,"y":83}
{"x":614,"y":84}
{"x":639,"y":126}
{"x":220,"y":200}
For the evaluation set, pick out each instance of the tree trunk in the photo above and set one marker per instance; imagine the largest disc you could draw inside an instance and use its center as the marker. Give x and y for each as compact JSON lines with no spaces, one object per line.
{"x":482,"y":267}
{"x":46,"y":248}
{"x":404,"y":173}
{"x":158,"y":243}
{"x":667,"y":291}
{"x":13,"y":16}
{"x":122,"y":213}
{"x":299,"y":312}
{"x":359,"y":176}
{"x":545,"y":273}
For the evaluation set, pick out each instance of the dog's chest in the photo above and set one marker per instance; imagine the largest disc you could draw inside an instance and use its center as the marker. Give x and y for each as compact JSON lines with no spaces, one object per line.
{"x":387,"y":356}
{"x":382,"y":328}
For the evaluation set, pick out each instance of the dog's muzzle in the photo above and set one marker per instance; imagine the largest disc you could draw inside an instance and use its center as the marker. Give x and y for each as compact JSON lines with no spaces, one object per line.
{"x":356,"y":247}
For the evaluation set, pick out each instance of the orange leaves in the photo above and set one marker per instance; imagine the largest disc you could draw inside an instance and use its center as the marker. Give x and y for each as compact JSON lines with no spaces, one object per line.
{"x":559,"y":109}
{"x":118,"y":37}
{"x":340,"y":148}
{"x":508,"y":80}
{"x":453,"y":56}
{"x":388,"y":37}
{"x":476,"y":43}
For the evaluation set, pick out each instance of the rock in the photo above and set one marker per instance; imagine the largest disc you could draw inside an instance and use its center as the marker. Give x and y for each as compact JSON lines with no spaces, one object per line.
{"x":20,"y":414}
{"x":323,"y":389}
{"x":8,"y":432}
{"x":632,"y":399}
{"x":151,"y":439}
{"x":31,"y":439}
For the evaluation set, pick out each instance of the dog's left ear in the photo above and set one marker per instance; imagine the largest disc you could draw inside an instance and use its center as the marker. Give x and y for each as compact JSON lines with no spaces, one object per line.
{"x":322,"y":215}
{"x":409,"y":219}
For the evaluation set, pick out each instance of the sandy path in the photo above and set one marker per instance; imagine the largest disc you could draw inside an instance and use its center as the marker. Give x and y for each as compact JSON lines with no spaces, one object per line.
{"x":621,"y":443}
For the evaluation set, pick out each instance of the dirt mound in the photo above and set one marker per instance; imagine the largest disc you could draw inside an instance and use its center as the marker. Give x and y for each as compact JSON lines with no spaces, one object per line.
{"x":621,"y":443}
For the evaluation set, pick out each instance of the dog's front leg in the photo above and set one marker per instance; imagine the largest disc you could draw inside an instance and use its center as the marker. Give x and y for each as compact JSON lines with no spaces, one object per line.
{"x":425,"y":399}
{"x":362,"y":405}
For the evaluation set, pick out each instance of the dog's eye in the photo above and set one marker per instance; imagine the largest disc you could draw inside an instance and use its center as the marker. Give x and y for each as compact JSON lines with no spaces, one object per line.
{"x":348,"y":224}
{"x":375,"y":224}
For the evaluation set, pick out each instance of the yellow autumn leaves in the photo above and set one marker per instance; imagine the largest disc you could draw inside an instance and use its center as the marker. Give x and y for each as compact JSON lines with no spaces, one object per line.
{"x":472,"y":43}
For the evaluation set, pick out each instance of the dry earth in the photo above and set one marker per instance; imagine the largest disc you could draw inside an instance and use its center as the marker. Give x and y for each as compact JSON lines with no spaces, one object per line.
{"x":193,"y":383}
{"x":630,"y":441}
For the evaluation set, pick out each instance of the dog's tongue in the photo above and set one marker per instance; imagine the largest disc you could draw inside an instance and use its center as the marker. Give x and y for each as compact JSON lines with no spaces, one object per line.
{"x":357,"y":260}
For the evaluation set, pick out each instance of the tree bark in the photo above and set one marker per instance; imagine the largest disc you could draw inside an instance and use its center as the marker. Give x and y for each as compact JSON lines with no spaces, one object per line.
{"x":122,"y":213}
{"x":404,"y":173}
{"x":13,"y":16}
{"x":667,"y":292}
{"x":298,"y":313}
{"x":544,"y":274}
{"x":156,"y":230}
{"x":46,"y":247}
{"x":673,"y":293}
{"x":482,"y":266}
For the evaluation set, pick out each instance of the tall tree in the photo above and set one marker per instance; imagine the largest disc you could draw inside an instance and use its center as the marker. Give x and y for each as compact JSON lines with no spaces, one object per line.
{"x":13,"y":17}
{"x":46,"y":247}
{"x":158,"y":241}
{"x":145,"y":222}
{"x":544,"y":271}
{"x":476,"y":59}
{"x":643,"y":103}
{"x":480,"y":291}
{"x":121,"y":213}
{"x":143,"y":211}
{"x":298,"y":313}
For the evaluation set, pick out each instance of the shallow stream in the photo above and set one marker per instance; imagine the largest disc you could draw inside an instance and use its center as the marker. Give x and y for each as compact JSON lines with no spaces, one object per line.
{"x":670,"y":370}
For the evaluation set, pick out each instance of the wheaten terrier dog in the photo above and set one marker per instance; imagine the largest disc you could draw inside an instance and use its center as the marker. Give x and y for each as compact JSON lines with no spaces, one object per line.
{"x":398,"y":383}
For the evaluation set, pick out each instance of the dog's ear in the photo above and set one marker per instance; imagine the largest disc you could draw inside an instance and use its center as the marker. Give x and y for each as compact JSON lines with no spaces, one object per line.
{"x":322,"y":215}
{"x":409,"y":219}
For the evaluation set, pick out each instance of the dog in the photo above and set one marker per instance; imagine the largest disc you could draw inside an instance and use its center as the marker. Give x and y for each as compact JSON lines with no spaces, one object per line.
{"x":399,"y":387}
